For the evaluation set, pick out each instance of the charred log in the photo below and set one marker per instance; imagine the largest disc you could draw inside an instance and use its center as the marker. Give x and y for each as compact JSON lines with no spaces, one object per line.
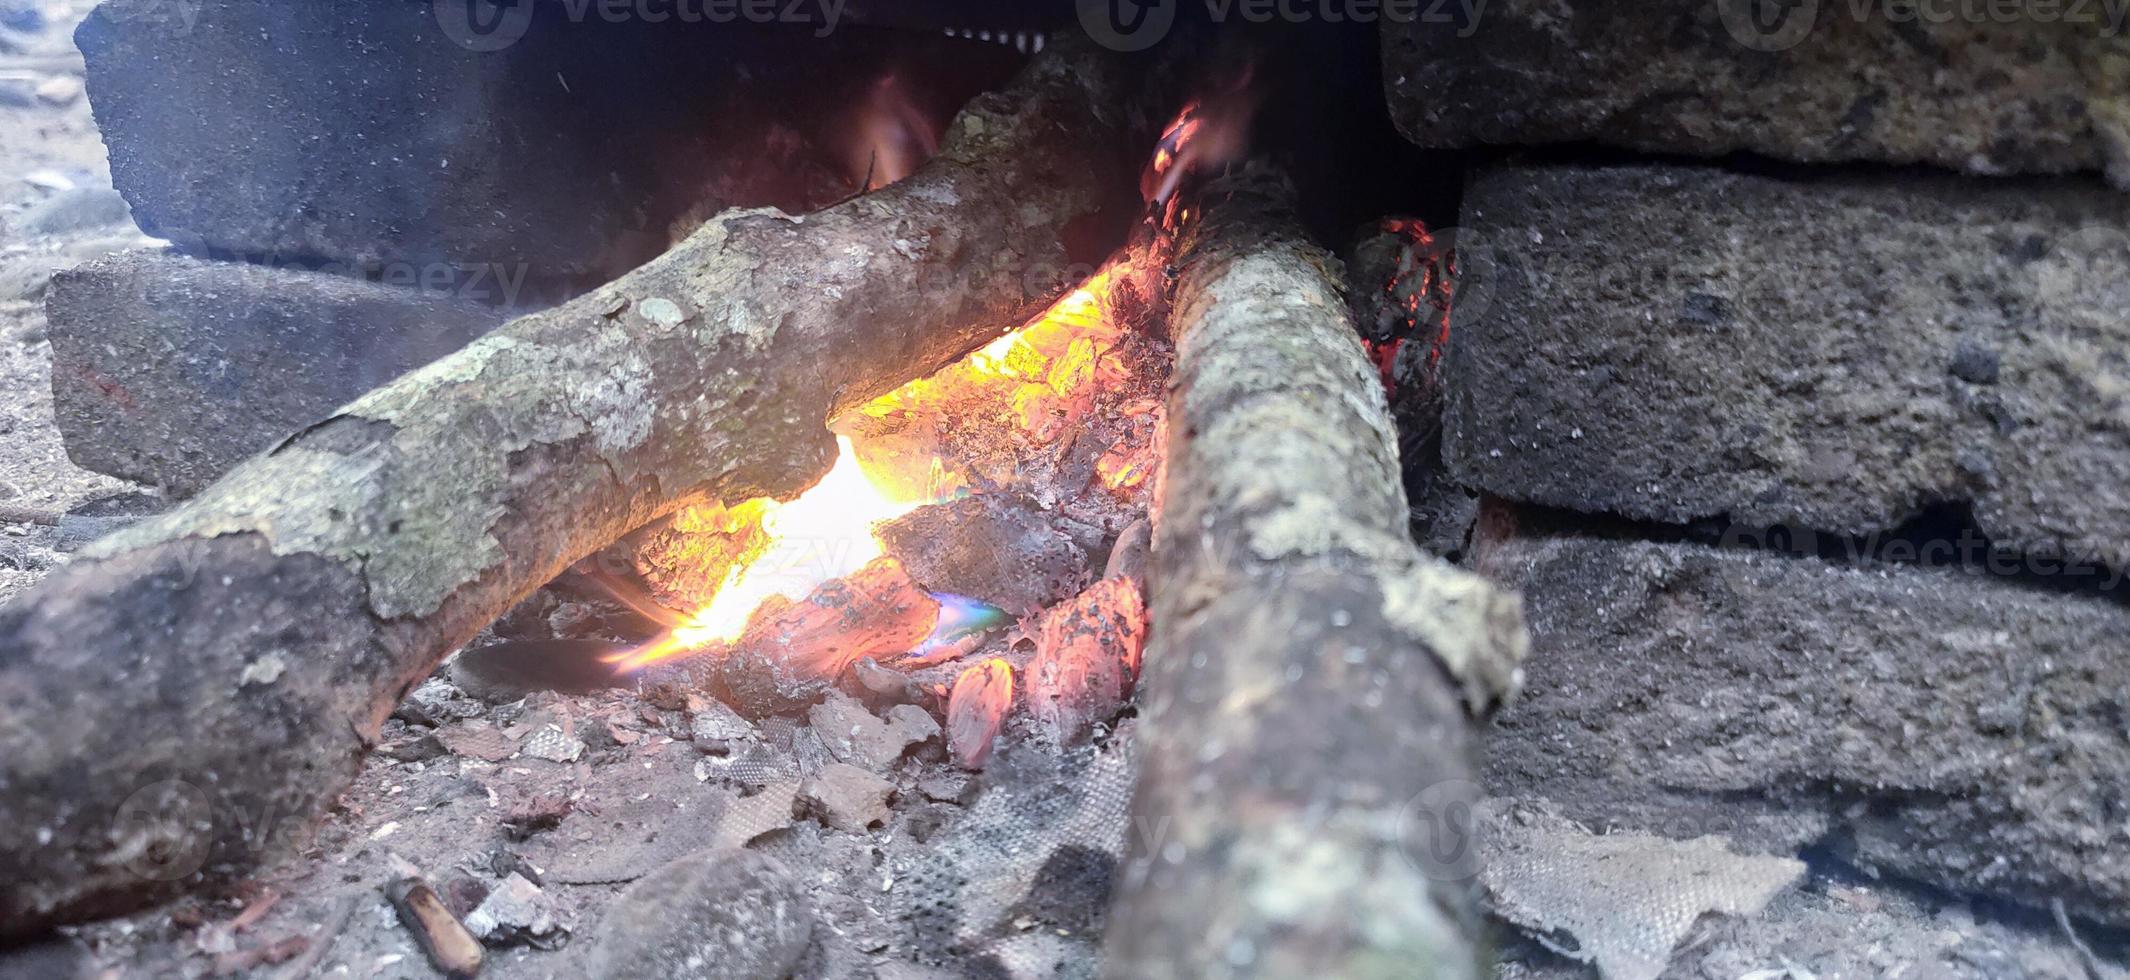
{"x":1311,"y":677}
{"x":188,"y":694}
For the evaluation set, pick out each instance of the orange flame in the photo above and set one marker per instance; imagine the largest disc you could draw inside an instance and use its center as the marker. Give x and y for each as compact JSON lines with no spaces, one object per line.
{"x":891,"y":137}
{"x":826,"y":533}
{"x":1047,"y":370}
{"x":1210,"y":132}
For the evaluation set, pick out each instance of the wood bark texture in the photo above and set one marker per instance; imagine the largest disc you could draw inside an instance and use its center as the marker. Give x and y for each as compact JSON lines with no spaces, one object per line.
{"x":188,"y":694}
{"x":1307,"y":697}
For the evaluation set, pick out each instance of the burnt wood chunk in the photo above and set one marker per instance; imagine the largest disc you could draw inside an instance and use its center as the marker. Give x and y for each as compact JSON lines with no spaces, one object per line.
{"x":1308,"y":686}
{"x":442,"y":937}
{"x":1086,"y":657}
{"x":242,"y":650}
{"x":998,"y":547}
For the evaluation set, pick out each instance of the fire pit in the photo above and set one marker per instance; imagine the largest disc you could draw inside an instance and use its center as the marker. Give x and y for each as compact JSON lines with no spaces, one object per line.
{"x":934,"y":492}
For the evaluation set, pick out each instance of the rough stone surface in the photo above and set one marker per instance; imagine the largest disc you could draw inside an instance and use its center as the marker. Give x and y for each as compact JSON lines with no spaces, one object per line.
{"x":566,"y":145}
{"x":856,"y":736}
{"x":716,"y":915}
{"x":1841,"y":353}
{"x":2045,"y":94}
{"x":339,"y":174}
{"x":847,"y":798}
{"x":169,"y":370}
{"x":1959,"y":730}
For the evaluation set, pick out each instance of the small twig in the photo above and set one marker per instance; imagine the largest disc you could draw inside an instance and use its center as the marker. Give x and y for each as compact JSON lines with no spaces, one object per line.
{"x":863,"y":188}
{"x":450,"y":948}
{"x":323,"y":941}
{"x":17,"y":514}
{"x":2086,"y":957}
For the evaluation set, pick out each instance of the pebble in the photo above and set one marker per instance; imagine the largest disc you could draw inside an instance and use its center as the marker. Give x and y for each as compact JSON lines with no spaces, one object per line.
{"x":848,"y":798}
{"x":59,"y":90}
{"x":77,"y":209}
{"x":516,"y":912}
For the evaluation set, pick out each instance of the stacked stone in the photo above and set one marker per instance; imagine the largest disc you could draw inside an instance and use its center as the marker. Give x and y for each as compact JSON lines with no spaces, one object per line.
{"x":358,"y":188}
{"x":1811,"y":463}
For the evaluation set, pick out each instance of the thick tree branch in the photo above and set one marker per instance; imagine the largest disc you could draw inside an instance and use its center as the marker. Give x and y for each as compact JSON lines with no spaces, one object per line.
{"x":1305,"y":699}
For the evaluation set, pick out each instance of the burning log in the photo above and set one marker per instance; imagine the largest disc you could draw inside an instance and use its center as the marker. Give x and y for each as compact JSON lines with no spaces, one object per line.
{"x":1311,"y":674}
{"x":239,"y":654}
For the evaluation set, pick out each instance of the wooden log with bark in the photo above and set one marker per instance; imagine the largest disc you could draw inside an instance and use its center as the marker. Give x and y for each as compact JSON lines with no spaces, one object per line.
{"x":187,"y":695}
{"x":1307,"y":696}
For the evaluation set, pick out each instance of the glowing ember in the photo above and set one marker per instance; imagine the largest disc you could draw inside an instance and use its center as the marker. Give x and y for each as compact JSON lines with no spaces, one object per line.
{"x":1087,"y":657}
{"x":976,"y":710}
{"x":1209,"y":133}
{"x":1416,"y":298}
{"x":876,"y":611}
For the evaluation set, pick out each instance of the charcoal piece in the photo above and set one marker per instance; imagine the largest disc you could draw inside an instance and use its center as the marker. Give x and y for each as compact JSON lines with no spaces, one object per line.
{"x":448,"y":943}
{"x":1087,"y":656}
{"x":716,"y":915}
{"x":1000,"y":548}
{"x":976,"y":710}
